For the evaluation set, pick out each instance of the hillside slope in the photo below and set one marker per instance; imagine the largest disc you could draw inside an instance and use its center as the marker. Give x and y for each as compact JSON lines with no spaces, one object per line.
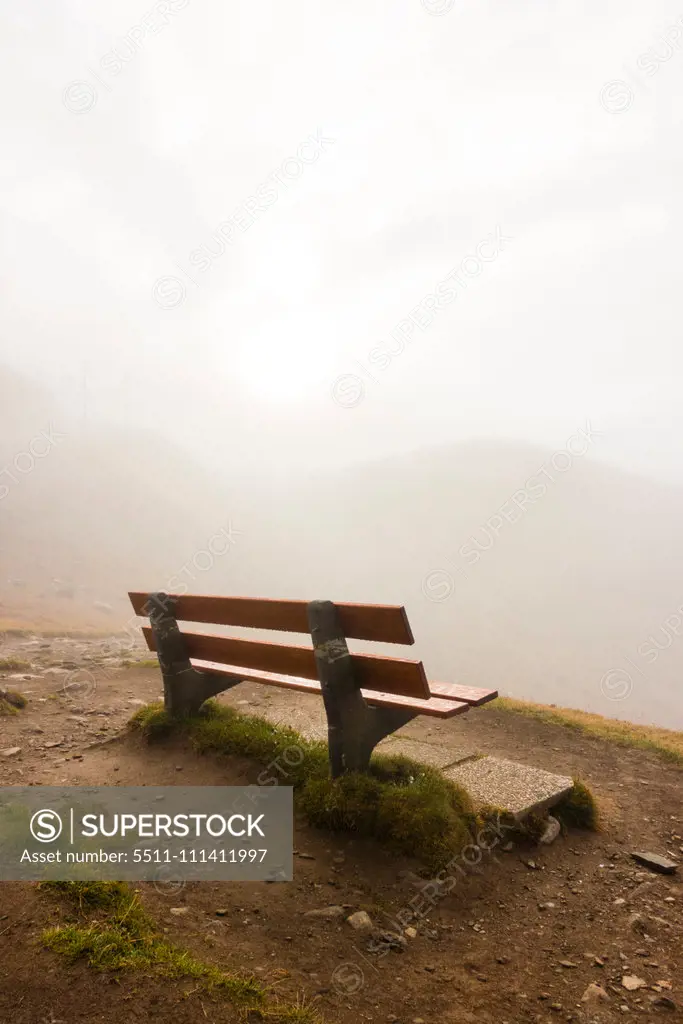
{"x":560,"y":586}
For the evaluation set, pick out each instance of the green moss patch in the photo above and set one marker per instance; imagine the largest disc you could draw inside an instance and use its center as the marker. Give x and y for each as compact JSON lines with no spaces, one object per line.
{"x":113,"y":933}
{"x":579,"y":808}
{"x":117,"y":900}
{"x":407,"y":806}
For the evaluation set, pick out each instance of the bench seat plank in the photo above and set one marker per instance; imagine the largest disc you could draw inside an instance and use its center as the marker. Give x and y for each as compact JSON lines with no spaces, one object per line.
{"x":373,"y":671}
{"x":436,"y":707}
{"x":472,"y":695}
{"x":383,"y":623}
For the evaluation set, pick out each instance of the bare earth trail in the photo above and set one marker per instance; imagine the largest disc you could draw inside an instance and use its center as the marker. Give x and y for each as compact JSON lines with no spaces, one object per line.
{"x":520,"y":939}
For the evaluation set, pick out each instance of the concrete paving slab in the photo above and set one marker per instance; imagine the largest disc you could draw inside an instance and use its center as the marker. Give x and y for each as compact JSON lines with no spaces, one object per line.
{"x":515,"y":787}
{"x":310,"y":722}
{"x":428,"y":753}
{"x":518,"y":788}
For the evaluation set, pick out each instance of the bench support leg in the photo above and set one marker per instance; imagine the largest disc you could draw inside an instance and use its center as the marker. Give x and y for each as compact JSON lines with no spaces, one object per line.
{"x":353,"y":728}
{"x":185,"y":687}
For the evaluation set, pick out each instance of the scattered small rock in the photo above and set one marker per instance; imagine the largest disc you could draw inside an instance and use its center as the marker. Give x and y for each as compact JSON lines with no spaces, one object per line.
{"x":656,"y":863}
{"x":360,"y":921}
{"x":664,"y":1003}
{"x":179,"y":911}
{"x":631,"y":982}
{"x":410,"y":933}
{"x":552,"y":831}
{"x":594,"y":994}
{"x":221,"y":913}
{"x":10,"y":751}
{"x":638,"y":923}
{"x":329,"y":913}
{"x":383,"y":941}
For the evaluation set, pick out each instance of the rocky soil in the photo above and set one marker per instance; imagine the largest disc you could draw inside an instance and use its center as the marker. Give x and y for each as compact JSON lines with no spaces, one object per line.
{"x":572,"y":931}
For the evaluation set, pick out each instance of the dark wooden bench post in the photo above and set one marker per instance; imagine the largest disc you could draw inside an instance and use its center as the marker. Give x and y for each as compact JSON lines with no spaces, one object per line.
{"x":185,"y":687}
{"x":353,"y":728}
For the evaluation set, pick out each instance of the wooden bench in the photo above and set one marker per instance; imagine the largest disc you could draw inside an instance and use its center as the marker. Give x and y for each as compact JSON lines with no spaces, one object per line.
{"x":366,"y":697}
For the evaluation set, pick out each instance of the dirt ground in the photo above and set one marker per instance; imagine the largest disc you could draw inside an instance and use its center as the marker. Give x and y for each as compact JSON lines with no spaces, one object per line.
{"x":521,"y":937}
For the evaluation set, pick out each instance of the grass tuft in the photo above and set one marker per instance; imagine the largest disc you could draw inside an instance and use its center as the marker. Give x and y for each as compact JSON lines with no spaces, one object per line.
{"x":14,"y":665}
{"x":11,"y":702}
{"x":153,"y":721}
{"x":118,"y":901}
{"x":107,"y":947}
{"x":122,"y":937}
{"x":666,"y":743}
{"x":579,"y":808}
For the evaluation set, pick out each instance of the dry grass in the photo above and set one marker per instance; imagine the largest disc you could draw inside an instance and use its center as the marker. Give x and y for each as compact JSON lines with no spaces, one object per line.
{"x":14,"y":665}
{"x":665,"y":742}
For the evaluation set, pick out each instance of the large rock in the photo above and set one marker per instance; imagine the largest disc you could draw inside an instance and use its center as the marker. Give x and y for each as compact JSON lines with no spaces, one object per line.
{"x":656,"y":863}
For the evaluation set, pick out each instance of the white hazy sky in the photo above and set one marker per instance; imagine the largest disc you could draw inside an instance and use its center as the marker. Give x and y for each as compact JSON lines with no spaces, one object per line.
{"x":490,"y":115}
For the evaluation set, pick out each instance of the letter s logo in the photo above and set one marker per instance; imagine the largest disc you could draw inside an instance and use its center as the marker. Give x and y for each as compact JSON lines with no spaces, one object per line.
{"x":46,"y":826}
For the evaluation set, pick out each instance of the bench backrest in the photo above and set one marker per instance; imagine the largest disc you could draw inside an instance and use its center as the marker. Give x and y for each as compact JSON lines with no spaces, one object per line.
{"x":372,"y":622}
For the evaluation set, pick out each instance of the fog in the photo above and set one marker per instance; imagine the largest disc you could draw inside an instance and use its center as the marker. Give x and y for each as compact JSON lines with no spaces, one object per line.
{"x":385,"y":297}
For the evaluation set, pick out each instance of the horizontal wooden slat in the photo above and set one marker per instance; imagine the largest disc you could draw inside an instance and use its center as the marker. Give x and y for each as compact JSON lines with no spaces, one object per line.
{"x":374,"y":672}
{"x":383,"y":623}
{"x":472,"y":695}
{"x":436,"y":707}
